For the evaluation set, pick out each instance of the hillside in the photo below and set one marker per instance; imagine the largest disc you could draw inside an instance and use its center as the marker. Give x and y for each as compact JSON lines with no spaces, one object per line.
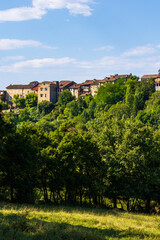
{"x":85,"y":152}
{"x":22,"y":222}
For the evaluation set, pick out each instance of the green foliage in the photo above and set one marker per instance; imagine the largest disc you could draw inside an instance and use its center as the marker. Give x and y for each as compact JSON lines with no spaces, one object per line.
{"x":3,"y":105}
{"x":19,"y":102}
{"x":64,"y":98}
{"x":31,"y":100}
{"x":45,"y":107}
{"x":110,"y":94}
{"x":86,"y":151}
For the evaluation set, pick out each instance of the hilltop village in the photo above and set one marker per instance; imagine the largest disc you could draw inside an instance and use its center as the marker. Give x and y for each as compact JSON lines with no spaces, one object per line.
{"x":50,"y":91}
{"x":88,"y":144}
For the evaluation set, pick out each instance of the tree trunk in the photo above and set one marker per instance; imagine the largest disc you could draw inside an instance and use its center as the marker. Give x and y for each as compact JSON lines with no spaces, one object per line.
{"x":115,"y":202}
{"x":11,"y":192}
{"x":148,"y":205}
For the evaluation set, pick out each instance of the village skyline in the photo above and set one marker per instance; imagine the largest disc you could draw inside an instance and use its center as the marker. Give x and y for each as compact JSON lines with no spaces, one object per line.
{"x":77,"y":39}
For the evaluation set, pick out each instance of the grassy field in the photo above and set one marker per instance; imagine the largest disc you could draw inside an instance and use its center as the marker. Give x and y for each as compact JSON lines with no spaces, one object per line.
{"x":23,"y":222}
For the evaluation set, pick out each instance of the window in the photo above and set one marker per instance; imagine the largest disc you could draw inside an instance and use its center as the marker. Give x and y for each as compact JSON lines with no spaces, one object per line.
{"x":45,"y":89}
{"x":27,"y":91}
{"x":17,"y":91}
{"x":41,"y":89}
{"x":10,"y":91}
{"x":41,"y":95}
{"x":45,"y":95}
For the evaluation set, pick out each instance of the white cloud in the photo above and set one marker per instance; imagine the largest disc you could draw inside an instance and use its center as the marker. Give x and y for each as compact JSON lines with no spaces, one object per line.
{"x":37,"y":64}
{"x":21,"y":14}
{"x":39,"y":9}
{"x":104,"y":48}
{"x":106,"y":65}
{"x":12,"y":58}
{"x":10,"y":44}
{"x":140,"y":51}
{"x":78,"y":8}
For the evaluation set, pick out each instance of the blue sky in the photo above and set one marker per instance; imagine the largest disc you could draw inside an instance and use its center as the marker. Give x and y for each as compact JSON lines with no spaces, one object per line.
{"x":77,"y":39}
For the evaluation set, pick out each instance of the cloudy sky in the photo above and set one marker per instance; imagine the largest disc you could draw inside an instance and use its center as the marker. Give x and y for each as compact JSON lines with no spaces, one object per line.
{"x":77,"y":39}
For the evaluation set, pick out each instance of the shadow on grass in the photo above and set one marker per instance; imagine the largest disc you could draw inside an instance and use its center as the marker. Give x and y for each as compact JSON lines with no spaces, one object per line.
{"x":19,"y":227}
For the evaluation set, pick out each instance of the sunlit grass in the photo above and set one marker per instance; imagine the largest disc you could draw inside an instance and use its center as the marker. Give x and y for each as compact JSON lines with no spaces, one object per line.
{"x":22,"y":222}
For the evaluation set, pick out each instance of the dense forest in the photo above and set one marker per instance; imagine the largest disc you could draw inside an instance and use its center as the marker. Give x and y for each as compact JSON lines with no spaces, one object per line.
{"x":101,"y":151}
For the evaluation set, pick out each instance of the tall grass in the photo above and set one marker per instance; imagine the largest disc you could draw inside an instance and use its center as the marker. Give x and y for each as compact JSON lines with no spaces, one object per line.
{"x":23,"y":222}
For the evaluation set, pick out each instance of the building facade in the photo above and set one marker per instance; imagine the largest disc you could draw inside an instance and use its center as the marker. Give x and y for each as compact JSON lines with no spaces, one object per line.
{"x":48,"y":91}
{"x":155,"y":77}
{"x":91,"y":86}
{"x":21,"y":90}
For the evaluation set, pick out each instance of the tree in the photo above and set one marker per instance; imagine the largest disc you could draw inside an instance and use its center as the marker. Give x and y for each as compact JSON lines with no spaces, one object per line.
{"x":19,"y":102}
{"x":15,"y":99}
{"x":45,"y":107}
{"x":4,"y":105}
{"x":64,"y":98}
{"x":18,"y":167}
{"x":80,"y":166}
{"x":110,"y":94}
{"x":31,"y":100}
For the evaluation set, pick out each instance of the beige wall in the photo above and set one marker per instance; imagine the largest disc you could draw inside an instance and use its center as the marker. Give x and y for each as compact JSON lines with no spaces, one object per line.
{"x":43,"y":92}
{"x":157,"y":84}
{"x":21,"y":92}
{"x":75,"y":92}
{"x":94,"y":89}
{"x":47,"y":92}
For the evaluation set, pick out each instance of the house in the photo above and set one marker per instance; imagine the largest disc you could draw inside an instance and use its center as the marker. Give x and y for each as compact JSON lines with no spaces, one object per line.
{"x":114,"y":78}
{"x":21,"y":90}
{"x":90,"y":87}
{"x":87,"y":87}
{"x":75,"y":90}
{"x":48,"y":91}
{"x":65,"y":84}
{"x":155,"y":77}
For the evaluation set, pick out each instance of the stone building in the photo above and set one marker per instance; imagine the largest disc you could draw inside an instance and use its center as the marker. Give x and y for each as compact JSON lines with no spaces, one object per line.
{"x":21,"y":90}
{"x":48,"y":91}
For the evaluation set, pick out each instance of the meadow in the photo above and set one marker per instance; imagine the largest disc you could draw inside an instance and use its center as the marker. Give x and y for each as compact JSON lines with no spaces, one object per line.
{"x":37,"y":222}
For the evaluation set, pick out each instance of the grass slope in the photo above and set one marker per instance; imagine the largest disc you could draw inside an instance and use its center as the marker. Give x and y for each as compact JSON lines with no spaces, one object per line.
{"x":23,"y":222}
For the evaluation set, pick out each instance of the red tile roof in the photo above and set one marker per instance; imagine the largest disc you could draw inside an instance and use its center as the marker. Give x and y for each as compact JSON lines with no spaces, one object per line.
{"x":150,"y":76}
{"x":48,"y":82}
{"x":76,"y":86}
{"x":20,"y":86}
{"x":90,"y":82}
{"x":115,"y":77}
{"x":65,"y":84}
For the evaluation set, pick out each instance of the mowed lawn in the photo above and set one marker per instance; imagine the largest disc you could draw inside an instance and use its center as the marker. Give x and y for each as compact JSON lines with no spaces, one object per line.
{"x":24,"y":222}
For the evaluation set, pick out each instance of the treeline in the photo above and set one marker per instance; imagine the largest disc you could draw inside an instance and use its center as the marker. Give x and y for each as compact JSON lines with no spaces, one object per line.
{"x":101,"y":151}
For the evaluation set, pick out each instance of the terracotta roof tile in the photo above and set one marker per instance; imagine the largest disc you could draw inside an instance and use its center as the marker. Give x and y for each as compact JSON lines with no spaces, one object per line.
{"x":20,"y":86}
{"x":75,"y":86}
{"x":150,"y":76}
{"x":63,"y":84}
